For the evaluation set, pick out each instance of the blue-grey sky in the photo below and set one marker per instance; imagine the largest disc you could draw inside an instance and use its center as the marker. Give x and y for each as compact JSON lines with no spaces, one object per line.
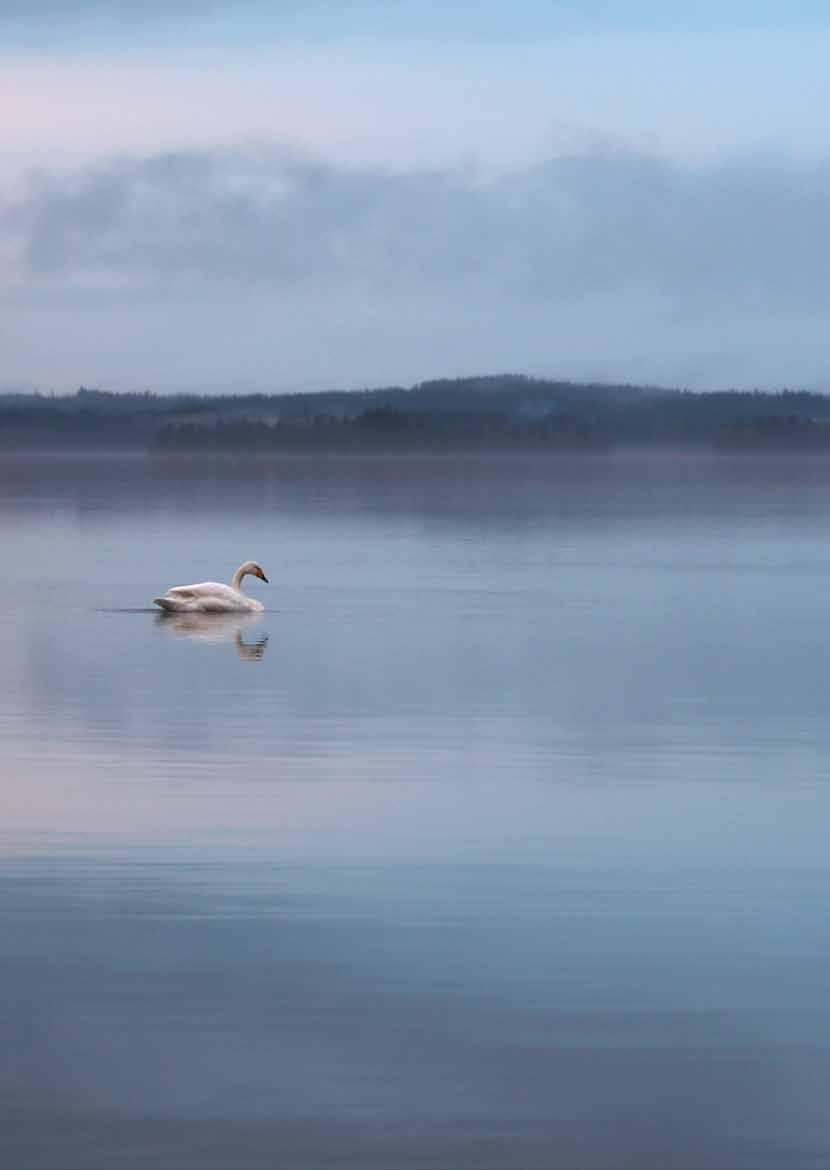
{"x":225,"y":194}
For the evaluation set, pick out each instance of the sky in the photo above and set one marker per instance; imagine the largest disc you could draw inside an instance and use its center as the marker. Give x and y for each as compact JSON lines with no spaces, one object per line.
{"x":302,"y":194}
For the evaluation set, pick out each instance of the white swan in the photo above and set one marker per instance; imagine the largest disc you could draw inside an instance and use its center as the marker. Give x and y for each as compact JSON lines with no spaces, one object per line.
{"x":211,"y":597}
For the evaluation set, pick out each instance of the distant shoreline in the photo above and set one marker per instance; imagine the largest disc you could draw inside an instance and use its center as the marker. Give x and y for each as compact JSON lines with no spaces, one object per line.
{"x":509,"y":414}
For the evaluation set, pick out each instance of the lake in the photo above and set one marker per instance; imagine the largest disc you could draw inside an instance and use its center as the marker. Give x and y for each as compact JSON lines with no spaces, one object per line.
{"x":499,"y":841}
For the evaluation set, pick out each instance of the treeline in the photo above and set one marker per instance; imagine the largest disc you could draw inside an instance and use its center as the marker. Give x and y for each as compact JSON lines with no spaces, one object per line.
{"x":383,"y":426}
{"x":486,"y":412}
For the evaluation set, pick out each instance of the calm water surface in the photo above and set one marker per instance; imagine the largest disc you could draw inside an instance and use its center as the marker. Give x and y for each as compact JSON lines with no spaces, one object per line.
{"x":498,"y":841}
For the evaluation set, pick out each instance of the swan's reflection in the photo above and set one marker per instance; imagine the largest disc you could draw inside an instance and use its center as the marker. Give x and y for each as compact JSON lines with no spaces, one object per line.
{"x":216,"y":628}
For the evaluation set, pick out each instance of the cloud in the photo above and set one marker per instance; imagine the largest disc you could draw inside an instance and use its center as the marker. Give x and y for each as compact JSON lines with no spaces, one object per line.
{"x":614,"y":249}
{"x":596,"y":223}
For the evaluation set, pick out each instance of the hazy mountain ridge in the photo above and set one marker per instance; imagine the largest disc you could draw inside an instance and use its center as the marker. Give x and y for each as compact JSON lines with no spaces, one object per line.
{"x":485,"y":411}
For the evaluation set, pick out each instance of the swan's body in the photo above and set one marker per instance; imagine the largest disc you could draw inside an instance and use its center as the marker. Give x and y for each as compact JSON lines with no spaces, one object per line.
{"x":212,"y":597}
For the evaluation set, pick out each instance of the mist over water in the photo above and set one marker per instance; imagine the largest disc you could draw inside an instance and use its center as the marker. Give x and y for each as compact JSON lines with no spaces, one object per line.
{"x":498,"y":840}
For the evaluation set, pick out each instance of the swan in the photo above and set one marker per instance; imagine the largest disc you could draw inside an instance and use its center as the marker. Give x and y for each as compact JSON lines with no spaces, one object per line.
{"x":211,"y":597}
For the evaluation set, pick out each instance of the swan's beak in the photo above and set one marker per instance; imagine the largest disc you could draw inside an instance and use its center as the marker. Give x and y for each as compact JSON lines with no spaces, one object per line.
{"x":264,"y":578}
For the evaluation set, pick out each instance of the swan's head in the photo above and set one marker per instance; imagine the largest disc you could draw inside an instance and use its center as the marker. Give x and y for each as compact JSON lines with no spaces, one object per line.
{"x":251,"y":569}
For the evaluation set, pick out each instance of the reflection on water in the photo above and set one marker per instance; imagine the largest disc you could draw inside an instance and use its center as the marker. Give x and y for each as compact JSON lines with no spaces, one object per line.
{"x":513,"y":856}
{"x":217,"y":628}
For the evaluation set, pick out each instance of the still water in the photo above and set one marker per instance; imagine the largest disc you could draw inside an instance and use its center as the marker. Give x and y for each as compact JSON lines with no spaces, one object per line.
{"x":499,"y":840}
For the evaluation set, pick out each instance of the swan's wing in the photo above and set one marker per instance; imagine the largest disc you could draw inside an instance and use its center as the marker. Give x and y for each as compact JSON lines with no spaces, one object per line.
{"x":205,"y":590}
{"x":205,"y":597}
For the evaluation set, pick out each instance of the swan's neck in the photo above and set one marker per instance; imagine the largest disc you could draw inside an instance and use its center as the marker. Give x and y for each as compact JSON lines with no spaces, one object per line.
{"x":236,"y":583}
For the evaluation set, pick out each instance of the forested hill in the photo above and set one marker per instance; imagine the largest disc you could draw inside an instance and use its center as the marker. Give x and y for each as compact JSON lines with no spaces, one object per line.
{"x":485,"y":412}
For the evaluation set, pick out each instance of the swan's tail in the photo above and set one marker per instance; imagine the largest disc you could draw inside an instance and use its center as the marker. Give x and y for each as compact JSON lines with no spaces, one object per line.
{"x":169,"y":604}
